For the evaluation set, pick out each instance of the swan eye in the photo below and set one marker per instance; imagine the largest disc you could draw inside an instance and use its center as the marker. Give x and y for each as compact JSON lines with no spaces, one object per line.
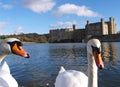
{"x":98,"y":50}
{"x":15,"y":42}
{"x":19,"y":43}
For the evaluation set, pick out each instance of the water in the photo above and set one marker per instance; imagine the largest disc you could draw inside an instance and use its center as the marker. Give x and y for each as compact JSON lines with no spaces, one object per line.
{"x":43,"y":66}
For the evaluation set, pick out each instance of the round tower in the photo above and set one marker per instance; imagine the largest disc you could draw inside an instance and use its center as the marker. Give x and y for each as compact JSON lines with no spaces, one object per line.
{"x":102,"y":26}
{"x":111,"y":25}
{"x":114,"y":26}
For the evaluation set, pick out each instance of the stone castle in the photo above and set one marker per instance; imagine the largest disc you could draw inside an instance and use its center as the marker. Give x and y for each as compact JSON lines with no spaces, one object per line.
{"x":79,"y":35}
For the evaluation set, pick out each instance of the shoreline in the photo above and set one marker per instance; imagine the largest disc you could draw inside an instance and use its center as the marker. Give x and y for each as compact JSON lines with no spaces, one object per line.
{"x":29,"y":42}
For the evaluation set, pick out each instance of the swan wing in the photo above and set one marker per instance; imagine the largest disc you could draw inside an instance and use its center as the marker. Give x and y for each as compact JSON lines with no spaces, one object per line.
{"x":6,"y":79}
{"x":71,"y":78}
{"x":4,"y":67}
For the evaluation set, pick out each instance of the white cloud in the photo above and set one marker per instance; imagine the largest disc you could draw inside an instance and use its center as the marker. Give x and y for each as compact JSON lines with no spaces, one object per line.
{"x":62,"y":25}
{"x":5,"y":6}
{"x":2,"y":24}
{"x":38,"y":6}
{"x":74,"y":9}
{"x":18,"y":30}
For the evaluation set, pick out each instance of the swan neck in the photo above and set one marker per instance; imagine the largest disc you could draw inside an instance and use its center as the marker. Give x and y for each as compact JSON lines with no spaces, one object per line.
{"x":92,"y":72}
{"x":2,"y":57}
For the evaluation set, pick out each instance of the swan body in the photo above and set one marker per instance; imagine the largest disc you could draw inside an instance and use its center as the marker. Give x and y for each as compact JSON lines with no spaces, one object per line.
{"x":7,"y":47}
{"x":6,"y":79}
{"x":73,"y":78}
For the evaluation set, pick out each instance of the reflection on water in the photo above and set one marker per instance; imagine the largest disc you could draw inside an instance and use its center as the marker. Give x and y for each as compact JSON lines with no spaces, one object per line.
{"x":109,"y":77}
{"x":110,"y":54}
{"x":43,"y":66}
{"x":68,"y":54}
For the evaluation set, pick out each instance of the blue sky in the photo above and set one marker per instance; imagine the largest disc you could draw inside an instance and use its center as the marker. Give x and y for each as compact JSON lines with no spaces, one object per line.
{"x":39,"y":16}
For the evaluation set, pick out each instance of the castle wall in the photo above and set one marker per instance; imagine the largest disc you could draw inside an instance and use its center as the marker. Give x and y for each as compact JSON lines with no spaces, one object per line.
{"x":78,"y":35}
{"x":109,"y":38}
{"x":94,"y":29}
{"x":61,"y":34}
{"x":105,"y":29}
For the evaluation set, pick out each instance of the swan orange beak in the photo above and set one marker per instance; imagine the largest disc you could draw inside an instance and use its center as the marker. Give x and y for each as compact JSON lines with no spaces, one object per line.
{"x":18,"y":50}
{"x":98,"y":60}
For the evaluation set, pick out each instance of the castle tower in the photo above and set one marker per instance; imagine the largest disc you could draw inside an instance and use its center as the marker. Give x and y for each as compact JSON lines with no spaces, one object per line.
{"x":112,"y":26}
{"x":102,"y":26}
{"x":74,"y":26}
{"x":87,"y":27}
{"x":88,"y":22}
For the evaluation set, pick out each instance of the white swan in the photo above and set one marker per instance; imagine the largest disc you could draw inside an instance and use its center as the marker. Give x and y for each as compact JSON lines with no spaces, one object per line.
{"x":7,"y":47}
{"x":73,"y":78}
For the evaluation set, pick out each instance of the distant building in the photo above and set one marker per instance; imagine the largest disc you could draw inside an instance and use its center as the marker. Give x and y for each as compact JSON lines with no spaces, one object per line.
{"x":78,"y":35}
{"x":101,"y":28}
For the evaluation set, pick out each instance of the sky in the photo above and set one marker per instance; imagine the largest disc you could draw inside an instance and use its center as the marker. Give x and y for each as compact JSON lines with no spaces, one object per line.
{"x":40,"y":16}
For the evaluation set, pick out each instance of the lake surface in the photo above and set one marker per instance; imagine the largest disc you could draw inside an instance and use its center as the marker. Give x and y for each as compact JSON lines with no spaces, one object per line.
{"x":43,"y":66}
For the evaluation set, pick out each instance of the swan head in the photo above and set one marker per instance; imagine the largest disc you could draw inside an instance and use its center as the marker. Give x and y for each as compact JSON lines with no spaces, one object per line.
{"x":94,"y":49}
{"x":12,"y":46}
